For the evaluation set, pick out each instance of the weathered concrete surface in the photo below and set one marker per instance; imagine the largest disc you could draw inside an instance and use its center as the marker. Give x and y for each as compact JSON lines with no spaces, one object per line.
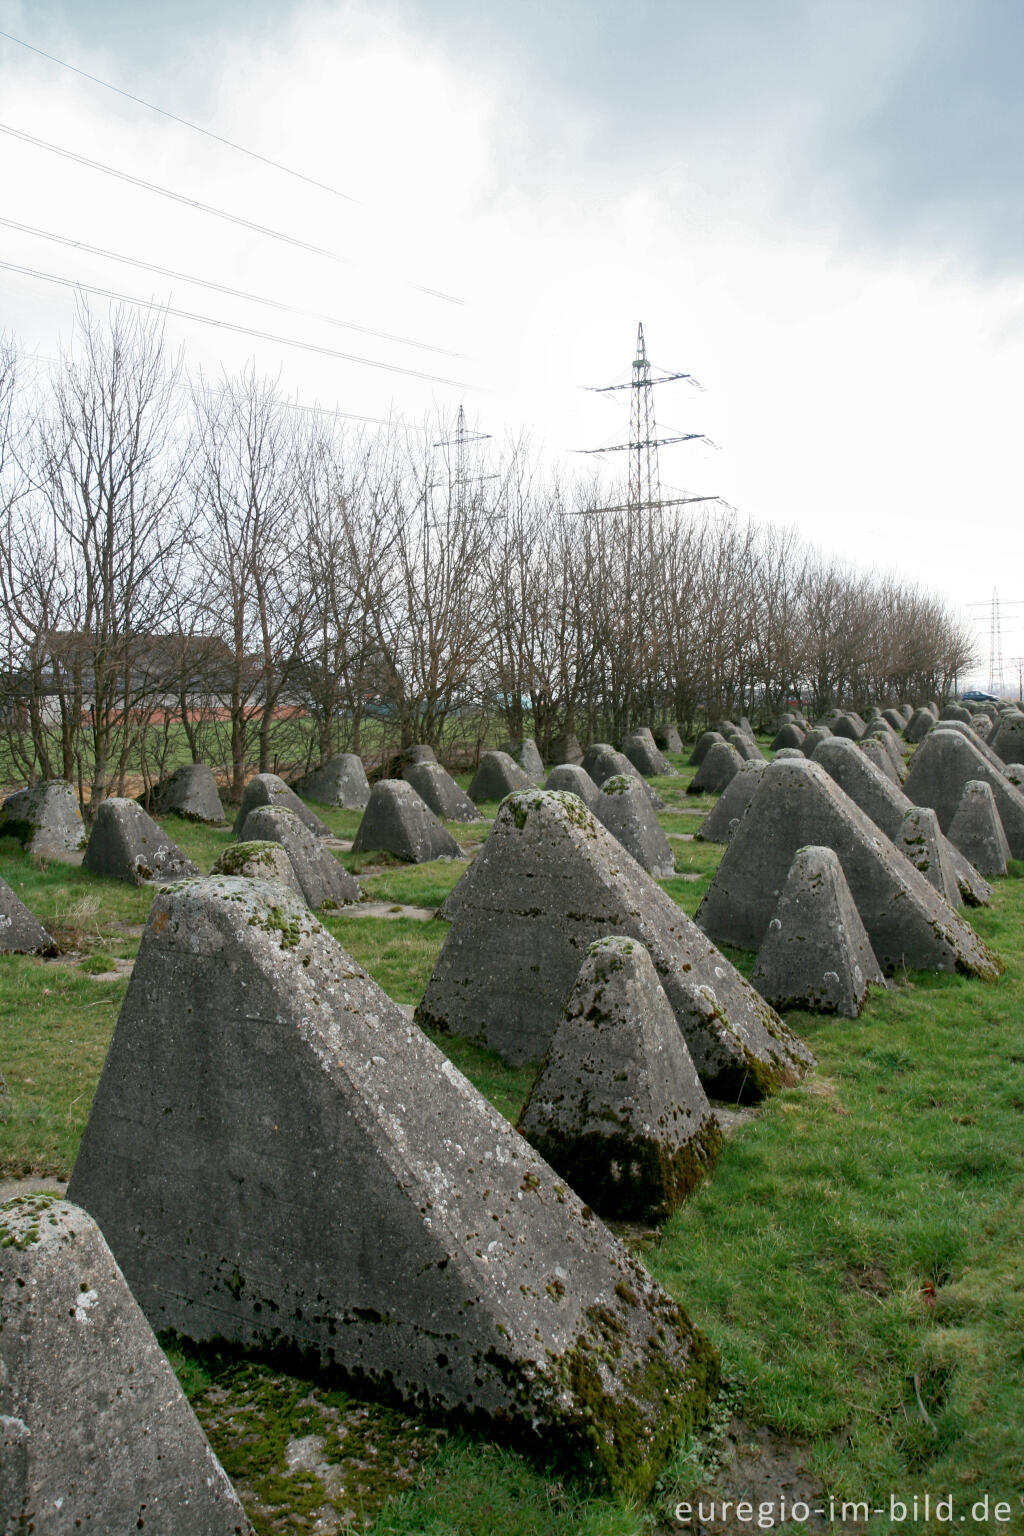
{"x":813,"y":739}
{"x":547,"y":883}
{"x":399,"y":822}
{"x":721,"y":764}
{"x":21,"y":932}
{"x":875,"y":752}
{"x":439,"y":791}
{"x":574,"y":780}
{"x":594,"y":753}
{"x":719,"y":825}
{"x":887,"y":805}
{"x":703,"y":746}
{"x":848,"y":725}
{"x":1015,"y":774}
{"x":788,"y":735}
{"x":608,"y":764}
{"x":322,"y":880}
{"x":789,"y":752}
{"x":625,"y":810}
{"x":667,"y":737}
{"x":191,"y":791}
{"x":566,"y":749}
{"x":816,"y":953}
{"x":527,"y":754}
{"x":894,"y":718}
{"x":127,"y":844}
{"x":971,"y":734}
{"x":977,"y":831}
{"x":341,"y":781}
{"x":1008,"y":740}
{"x":645,"y":756}
{"x":45,"y":818}
{"x":95,"y":1432}
{"x":940,"y":768}
{"x":954,"y":711}
{"x":267,"y":861}
{"x":746,"y":746}
{"x":419,"y":752}
{"x":921,"y":840}
{"x":798,"y":804}
{"x":918,"y":726}
{"x":618,"y":1109}
{"x":268,"y":789}
{"x":277,"y":1157}
{"x":496,"y":776}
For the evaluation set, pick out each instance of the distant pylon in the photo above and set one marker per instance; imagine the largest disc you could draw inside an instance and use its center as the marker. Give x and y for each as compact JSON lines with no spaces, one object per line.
{"x":459,"y":476}
{"x":995,"y":647}
{"x":644,"y":491}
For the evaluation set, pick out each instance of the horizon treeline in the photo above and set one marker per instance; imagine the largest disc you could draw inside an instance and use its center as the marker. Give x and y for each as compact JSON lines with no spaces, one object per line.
{"x":205,"y":569}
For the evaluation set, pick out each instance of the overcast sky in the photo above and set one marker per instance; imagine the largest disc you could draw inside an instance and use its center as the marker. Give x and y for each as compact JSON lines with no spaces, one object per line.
{"x":815,"y":208}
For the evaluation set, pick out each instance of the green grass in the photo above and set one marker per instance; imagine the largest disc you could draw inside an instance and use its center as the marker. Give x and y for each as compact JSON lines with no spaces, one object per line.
{"x":855,"y":1254}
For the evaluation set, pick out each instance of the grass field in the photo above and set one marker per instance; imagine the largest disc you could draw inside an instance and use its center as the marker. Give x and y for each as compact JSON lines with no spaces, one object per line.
{"x":855,"y":1255}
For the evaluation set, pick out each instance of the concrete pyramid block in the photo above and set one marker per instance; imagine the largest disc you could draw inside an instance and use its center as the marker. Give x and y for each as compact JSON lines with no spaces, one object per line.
{"x":703,"y":746}
{"x":954,"y":711}
{"x":791,"y":752}
{"x":341,"y":781}
{"x":721,"y":763}
{"x":397,"y":821}
{"x":439,"y":791}
{"x":719,"y":825}
{"x":846,"y":725}
{"x":667,"y":737}
{"x":1015,"y":774}
{"x":816,"y":953}
{"x":566,"y":749}
{"x":1008,"y":740}
{"x":265,"y":861}
{"x":278,"y":1158}
{"x":21,"y":933}
{"x":813,"y":739}
{"x":747,"y":748}
{"x":944,"y":764}
{"x":594,"y":753}
{"x":796,"y":805}
{"x":191,"y":792}
{"x":268,"y":789}
{"x":918,"y":726}
{"x":645,"y":756}
{"x":921,"y":840}
{"x":625,"y":810}
{"x":609,"y":764}
{"x":496,"y":776}
{"x":875,"y":752}
{"x":788,"y":735}
{"x":894,"y":718}
{"x":977,"y":831}
{"x":527,"y":755}
{"x":45,"y":818}
{"x":977,"y":740}
{"x":618,"y":1109}
{"x":887,"y":804}
{"x":574,"y":780}
{"x":547,"y":883}
{"x":127,"y":844}
{"x":322,"y":880}
{"x":99,"y":1435}
{"x":419,"y":752}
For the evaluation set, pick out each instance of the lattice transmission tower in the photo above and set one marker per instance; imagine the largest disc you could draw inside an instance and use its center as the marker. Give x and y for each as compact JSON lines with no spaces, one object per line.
{"x":644,"y":482}
{"x":460,"y":473}
{"x":995,"y":646}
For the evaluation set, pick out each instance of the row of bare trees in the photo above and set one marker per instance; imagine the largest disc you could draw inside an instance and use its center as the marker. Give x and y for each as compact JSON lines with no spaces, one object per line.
{"x":204,"y":568}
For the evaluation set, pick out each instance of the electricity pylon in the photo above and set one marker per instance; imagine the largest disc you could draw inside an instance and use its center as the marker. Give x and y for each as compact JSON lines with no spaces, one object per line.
{"x":459,"y":476}
{"x":644,"y":491}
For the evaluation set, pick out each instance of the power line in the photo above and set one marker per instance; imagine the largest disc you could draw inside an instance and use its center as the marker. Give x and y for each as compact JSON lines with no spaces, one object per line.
{"x":229,"y":325}
{"x":237,"y":293}
{"x":184,"y":121}
{"x":217,"y":213}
